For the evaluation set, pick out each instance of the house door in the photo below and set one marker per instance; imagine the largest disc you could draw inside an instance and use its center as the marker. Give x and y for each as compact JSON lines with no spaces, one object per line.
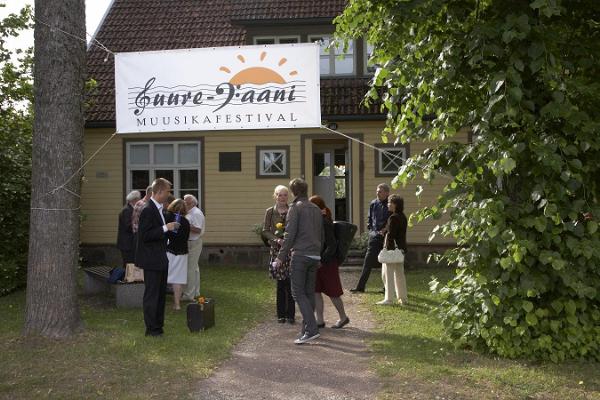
{"x":332,"y":176}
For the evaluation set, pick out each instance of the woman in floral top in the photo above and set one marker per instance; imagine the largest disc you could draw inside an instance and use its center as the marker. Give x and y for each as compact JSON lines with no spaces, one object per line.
{"x":273,"y":228}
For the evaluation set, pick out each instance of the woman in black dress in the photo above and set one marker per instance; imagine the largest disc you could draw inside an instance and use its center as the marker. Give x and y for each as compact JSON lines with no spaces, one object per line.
{"x":328,"y":276}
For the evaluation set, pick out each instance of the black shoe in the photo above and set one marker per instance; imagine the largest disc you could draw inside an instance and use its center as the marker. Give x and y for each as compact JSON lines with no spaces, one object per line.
{"x":381,"y":291}
{"x":321,"y":325}
{"x":357,"y":290}
{"x":341,"y":324}
{"x":291,"y":321}
{"x":281,"y":320}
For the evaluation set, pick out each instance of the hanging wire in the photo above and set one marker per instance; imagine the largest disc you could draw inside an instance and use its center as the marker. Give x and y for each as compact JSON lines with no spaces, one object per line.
{"x":95,"y":42}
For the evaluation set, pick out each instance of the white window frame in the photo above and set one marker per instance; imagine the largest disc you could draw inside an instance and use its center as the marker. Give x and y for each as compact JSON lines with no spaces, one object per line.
{"x":261,"y":151}
{"x":379,"y":170}
{"x":276,"y":39}
{"x":333,"y":55}
{"x":175,"y":167}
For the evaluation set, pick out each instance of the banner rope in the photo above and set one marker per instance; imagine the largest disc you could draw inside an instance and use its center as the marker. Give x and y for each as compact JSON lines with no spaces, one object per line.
{"x":380,"y":150}
{"x":63,"y":185}
{"x":94,"y":41}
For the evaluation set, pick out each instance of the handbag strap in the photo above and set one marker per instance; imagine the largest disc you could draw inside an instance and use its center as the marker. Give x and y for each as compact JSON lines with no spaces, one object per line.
{"x":385,"y":242}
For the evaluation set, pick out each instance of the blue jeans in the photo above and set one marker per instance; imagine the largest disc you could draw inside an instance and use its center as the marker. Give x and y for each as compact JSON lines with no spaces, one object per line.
{"x":303,"y":277}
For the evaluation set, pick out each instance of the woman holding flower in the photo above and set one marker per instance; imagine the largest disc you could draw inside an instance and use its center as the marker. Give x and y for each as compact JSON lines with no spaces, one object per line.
{"x":273,"y":229}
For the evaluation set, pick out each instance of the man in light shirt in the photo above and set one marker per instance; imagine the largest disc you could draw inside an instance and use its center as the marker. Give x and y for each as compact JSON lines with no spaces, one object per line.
{"x":196,"y":219}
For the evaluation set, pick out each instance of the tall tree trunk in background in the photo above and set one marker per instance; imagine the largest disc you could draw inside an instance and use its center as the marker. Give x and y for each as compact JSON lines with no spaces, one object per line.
{"x":52,"y":308}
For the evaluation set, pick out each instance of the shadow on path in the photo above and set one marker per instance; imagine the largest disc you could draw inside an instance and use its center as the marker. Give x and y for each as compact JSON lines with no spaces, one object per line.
{"x":268,"y":365}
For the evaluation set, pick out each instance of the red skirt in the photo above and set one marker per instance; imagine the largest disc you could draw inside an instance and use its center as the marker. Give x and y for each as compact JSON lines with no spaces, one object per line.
{"x":328,"y":280}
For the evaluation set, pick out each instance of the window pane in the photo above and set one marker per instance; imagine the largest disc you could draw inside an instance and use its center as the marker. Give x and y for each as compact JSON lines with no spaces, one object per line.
{"x":265,"y":41}
{"x":324,"y":65}
{"x":323,"y":43}
{"x":322,"y":162}
{"x":340,"y":188}
{"x":370,"y":49}
{"x":164,"y":173}
{"x":188,"y":179}
{"x":391,"y":160}
{"x":273,"y":163}
{"x":345,"y":65}
{"x":288,"y":40}
{"x":188,"y":153}
{"x":349,"y":50}
{"x":230,"y":161}
{"x":340,"y":163}
{"x":139,"y":154}
{"x":163,"y":154}
{"x":140,"y":179}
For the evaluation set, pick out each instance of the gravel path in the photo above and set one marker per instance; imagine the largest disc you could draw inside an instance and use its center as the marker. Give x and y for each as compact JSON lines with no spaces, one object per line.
{"x":266,"y":364}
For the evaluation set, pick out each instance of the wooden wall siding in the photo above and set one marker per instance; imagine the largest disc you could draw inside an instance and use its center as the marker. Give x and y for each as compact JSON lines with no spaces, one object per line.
{"x":234,"y":201}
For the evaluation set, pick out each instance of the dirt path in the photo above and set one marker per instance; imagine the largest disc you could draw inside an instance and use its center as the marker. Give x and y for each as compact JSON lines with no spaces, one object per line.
{"x":268,"y":365}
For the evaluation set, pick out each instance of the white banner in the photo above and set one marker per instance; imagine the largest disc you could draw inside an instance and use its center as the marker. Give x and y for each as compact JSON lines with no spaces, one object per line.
{"x":244,"y":87}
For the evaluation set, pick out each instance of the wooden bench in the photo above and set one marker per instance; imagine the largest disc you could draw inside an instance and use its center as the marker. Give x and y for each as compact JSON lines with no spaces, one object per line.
{"x":127,"y":295}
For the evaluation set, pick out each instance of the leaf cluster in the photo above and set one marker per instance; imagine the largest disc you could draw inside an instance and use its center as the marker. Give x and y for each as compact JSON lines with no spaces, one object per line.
{"x":15,"y":152}
{"x":523,"y":192}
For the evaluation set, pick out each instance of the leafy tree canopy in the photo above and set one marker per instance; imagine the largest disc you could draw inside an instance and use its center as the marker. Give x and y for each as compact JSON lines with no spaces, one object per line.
{"x":523,"y":194}
{"x":15,"y":151}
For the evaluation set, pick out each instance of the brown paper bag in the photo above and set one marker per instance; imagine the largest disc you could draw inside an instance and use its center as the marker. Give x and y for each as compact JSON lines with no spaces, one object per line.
{"x":133,"y":273}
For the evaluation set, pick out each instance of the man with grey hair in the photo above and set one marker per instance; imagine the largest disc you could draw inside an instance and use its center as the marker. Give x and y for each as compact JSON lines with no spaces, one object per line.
{"x":125,"y":237}
{"x":137,"y":209}
{"x":197,"y":221}
{"x":304,"y":234}
{"x":376,"y":222}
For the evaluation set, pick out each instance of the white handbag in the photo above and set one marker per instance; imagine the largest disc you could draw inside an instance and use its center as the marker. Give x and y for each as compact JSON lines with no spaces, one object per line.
{"x":386,"y":256}
{"x":395,"y":256}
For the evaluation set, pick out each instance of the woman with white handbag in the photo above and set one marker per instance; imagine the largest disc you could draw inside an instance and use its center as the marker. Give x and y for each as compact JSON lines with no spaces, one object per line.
{"x":392,"y":255}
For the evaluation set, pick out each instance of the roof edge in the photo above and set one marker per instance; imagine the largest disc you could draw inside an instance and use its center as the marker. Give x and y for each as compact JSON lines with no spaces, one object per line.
{"x":283,"y":21}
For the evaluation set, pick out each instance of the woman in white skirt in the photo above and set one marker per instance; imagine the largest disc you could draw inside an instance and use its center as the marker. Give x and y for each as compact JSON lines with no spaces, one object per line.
{"x":177,"y":249}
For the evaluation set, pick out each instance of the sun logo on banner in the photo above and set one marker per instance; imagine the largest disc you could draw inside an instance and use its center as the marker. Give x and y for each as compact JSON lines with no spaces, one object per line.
{"x":257,"y":75}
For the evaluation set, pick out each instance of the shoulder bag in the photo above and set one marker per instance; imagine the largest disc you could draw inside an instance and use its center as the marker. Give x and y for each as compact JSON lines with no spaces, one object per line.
{"x":386,"y":256}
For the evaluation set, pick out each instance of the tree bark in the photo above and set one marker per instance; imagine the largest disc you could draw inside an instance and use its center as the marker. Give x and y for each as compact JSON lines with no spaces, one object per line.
{"x":51,"y":308}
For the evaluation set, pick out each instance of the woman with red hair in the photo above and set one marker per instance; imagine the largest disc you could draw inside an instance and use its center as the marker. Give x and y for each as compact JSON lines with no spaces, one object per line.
{"x":328,"y":277}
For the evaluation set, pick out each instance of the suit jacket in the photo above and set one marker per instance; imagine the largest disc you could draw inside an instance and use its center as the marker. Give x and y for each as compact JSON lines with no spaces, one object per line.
{"x":125,"y":232}
{"x":151,"y":250}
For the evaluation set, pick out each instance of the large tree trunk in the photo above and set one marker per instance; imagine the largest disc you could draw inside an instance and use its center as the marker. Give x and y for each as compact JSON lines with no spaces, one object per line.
{"x":52,"y":309}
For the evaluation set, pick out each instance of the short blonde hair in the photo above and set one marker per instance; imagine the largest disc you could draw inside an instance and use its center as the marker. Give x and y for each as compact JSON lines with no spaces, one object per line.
{"x":160,"y":184}
{"x":280,"y":188}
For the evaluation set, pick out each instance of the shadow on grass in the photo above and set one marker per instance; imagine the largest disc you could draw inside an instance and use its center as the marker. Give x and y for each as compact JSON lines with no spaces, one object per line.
{"x":112,"y":358}
{"x":438,"y":359}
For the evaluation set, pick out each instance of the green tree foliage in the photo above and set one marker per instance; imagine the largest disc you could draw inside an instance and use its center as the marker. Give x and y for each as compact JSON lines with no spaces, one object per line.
{"x":15,"y":152}
{"x":523,"y":194}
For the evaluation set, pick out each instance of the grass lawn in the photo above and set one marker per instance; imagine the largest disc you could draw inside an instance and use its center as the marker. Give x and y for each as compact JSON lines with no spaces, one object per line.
{"x":418,"y":362}
{"x":113,"y":359}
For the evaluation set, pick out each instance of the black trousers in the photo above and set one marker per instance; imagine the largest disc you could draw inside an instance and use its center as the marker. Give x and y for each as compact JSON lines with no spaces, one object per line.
{"x":155,"y":293}
{"x":128,"y":256}
{"x":373,"y":248}
{"x":286,"y":307}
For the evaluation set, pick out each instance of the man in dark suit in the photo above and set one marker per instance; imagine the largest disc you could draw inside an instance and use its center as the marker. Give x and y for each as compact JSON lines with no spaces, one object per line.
{"x":378,"y":216}
{"x":151,"y":256}
{"x":125,"y":241}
